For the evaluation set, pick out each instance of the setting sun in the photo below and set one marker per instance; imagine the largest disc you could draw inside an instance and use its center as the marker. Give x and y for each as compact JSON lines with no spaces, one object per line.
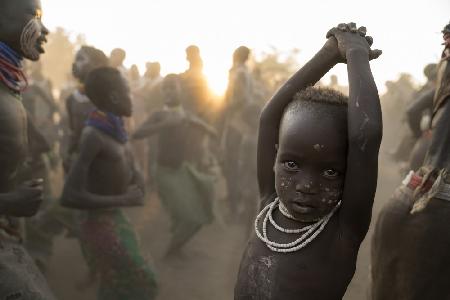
{"x":217,"y":81}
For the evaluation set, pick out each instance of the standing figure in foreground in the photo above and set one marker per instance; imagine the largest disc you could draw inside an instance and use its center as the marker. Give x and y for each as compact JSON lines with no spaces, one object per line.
{"x":103,"y":180}
{"x":22,"y":35}
{"x":183,"y":189}
{"x":411,"y":240}
{"x":317,"y":173}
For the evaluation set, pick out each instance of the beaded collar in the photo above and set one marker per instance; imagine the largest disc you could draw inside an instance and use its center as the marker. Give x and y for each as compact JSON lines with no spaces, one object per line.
{"x":11,"y":73}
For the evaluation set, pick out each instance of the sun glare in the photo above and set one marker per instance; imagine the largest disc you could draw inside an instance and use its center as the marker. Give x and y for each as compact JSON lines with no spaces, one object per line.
{"x":217,"y":81}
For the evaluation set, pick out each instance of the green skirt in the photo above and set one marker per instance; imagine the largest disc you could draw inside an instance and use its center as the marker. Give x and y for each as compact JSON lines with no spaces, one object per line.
{"x":187,"y":195}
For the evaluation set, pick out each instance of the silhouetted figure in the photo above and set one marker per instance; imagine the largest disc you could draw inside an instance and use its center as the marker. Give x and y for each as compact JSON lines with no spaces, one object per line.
{"x":194,"y":85}
{"x":411,"y":240}
{"x":116,"y":59}
{"x":153,"y":101}
{"x":239,"y":94}
{"x":247,"y":168}
{"x":183,"y":189}
{"x":418,"y":112}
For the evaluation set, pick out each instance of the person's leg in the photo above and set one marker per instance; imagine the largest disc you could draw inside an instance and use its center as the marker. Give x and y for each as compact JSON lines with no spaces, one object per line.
{"x":124,"y":273}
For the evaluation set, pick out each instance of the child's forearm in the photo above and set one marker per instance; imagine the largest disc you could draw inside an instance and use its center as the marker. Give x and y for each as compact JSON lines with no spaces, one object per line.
{"x":364,"y":110}
{"x":308,"y":75}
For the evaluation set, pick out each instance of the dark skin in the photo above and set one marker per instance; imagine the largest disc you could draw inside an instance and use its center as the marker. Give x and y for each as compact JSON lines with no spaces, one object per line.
{"x":332,"y":160}
{"x":105,"y":176}
{"x":15,"y":16}
{"x":172,"y":127}
{"x":23,"y":201}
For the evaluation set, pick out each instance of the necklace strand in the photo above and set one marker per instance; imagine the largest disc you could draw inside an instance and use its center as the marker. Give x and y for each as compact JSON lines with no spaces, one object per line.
{"x":310,"y":232}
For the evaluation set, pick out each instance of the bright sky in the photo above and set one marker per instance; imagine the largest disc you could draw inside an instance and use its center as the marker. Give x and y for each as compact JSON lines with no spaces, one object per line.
{"x":408,"y":32}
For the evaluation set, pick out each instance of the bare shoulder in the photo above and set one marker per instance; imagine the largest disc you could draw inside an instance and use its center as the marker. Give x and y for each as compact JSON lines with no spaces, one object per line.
{"x":91,"y":139}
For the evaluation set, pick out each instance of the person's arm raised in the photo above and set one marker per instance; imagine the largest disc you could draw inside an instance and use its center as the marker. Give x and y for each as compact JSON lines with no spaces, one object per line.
{"x":364,"y":130}
{"x":327,"y":57}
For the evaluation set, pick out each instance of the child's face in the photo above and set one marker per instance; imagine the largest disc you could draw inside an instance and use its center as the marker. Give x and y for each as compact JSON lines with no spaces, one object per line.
{"x":170,"y":90}
{"x":311,"y":163}
{"x":80,"y":66}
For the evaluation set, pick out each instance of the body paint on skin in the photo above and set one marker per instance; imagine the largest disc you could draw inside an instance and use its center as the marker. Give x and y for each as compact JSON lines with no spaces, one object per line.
{"x":29,"y":39}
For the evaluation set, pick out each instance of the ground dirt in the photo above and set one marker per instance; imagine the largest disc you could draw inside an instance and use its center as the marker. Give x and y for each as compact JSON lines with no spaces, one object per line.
{"x":210,"y":263}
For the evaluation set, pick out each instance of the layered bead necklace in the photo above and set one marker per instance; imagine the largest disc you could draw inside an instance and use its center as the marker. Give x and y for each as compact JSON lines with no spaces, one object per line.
{"x":308,"y":233}
{"x":11,"y":72}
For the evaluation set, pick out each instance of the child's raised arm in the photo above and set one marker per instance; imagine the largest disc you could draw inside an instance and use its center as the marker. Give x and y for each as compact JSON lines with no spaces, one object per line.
{"x":272,"y":113}
{"x":364,"y":130}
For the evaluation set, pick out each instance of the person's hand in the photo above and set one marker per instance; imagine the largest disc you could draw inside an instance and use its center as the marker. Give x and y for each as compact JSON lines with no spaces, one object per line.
{"x":350,"y":38}
{"x":135,"y":196}
{"x":27,"y":199}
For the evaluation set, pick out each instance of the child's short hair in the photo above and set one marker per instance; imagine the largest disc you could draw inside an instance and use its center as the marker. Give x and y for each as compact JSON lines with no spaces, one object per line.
{"x":100,"y":82}
{"x":97,"y":57}
{"x":323,"y":96}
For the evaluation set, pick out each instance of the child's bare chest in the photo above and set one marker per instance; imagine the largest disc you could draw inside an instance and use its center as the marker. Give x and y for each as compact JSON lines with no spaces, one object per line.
{"x":321,"y":270}
{"x":111,"y":171}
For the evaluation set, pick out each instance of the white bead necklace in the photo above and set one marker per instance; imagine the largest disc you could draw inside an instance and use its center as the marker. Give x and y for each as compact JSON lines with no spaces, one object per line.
{"x":310,"y":232}
{"x":285,"y":211}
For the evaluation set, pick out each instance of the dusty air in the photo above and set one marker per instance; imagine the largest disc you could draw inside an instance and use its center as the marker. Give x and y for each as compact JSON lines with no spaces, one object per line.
{"x":224,"y":150}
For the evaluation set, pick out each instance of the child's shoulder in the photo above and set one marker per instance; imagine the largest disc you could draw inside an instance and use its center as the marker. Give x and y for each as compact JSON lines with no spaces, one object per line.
{"x":90,"y":135}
